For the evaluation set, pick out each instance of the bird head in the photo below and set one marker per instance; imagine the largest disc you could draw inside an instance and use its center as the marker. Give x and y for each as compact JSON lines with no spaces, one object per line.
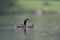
{"x":27,"y":20}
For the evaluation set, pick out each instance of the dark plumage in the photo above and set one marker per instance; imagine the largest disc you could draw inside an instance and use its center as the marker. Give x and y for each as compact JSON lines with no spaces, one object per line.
{"x":24,"y":25}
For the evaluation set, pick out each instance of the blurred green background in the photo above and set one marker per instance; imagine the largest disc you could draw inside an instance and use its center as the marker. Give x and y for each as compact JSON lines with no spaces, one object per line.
{"x":14,"y":12}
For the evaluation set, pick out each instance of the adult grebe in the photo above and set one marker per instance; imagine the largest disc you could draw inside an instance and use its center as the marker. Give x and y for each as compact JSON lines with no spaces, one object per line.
{"x":24,"y":26}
